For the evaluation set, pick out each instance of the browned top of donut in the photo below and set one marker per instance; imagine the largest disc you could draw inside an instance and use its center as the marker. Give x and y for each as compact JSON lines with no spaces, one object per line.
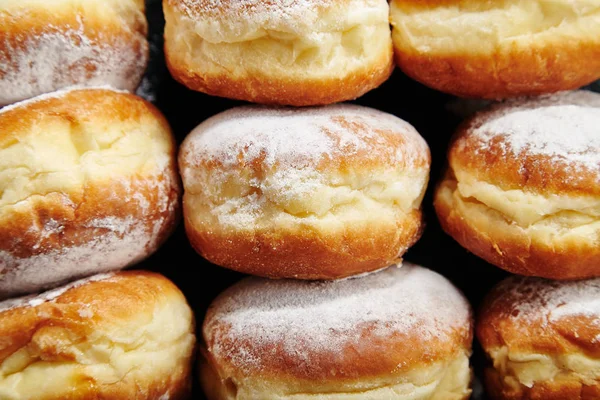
{"x":544,"y":145}
{"x":384,"y":323}
{"x":100,"y":105}
{"x":533,"y":315}
{"x":102,"y":303}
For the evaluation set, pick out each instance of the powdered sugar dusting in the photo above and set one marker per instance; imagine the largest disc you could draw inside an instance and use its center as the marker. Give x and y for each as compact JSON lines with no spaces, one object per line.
{"x":564,"y":127}
{"x":268,"y":14}
{"x":57,"y":59}
{"x":55,"y":95}
{"x":535,"y":298}
{"x":38,"y":299}
{"x":298,"y":138}
{"x":307,"y":317}
{"x":119,"y":242}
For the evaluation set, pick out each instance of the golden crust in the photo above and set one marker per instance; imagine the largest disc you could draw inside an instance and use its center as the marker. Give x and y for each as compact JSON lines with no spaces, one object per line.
{"x":66,"y":329}
{"x":403,"y":352}
{"x":347,"y":336}
{"x":522,"y":317}
{"x":510,"y":247}
{"x":506,"y":74}
{"x":335,"y":193}
{"x":51,"y":219}
{"x":539,"y":173}
{"x":529,"y":49}
{"x":107,"y":45}
{"x":267,"y":89}
{"x":306,"y":253}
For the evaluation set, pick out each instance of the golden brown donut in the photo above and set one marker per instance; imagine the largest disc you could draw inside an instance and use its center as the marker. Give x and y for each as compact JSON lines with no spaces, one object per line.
{"x":542,"y":339}
{"x":296,"y":52}
{"x":398,"y":334}
{"x":311,"y":193}
{"x":498,"y":49}
{"x":128,"y":335}
{"x":88,"y":184}
{"x":49,"y":45}
{"x":522,"y":190}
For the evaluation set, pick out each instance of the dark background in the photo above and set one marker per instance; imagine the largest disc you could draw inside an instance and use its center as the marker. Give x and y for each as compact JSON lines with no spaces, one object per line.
{"x":435,"y":115}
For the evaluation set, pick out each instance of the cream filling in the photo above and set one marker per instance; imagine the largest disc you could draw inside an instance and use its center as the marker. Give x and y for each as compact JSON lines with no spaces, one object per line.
{"x":479,"y":27}
{"x":442,"y":381}
{"x":527,"y":369}
{"x":547,"y":218}
{"x":309,"y":198}
{"x":327,"y":51}
{"x":58,"y":155}
{"x":138,"y":353}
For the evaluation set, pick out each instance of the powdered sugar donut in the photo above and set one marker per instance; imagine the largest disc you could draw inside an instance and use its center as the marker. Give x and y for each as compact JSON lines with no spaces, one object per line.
{"x":543,"y":338}
{"x":87,"y":184}
{"x":103,"y":337}
{"x":314,"y":193}
{"x":498,"y":49}
{"x":294,"y":52}
{"x":49,"y":45}
{"x":402,"y":333}
{"x":523,"y":187}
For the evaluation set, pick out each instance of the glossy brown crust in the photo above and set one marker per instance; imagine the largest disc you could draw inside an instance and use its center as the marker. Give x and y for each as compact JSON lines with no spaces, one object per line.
{"x":560,"y":389}
{"x":306,"y":253}
{"x":513,"y":250}
{"x":537,"y":334}
{"x":264,"y":89}
{"x":52,"y":328}
{"x":538,"y":173}
{"x":17,"y":29}
{"x":372,"y":357}
{"x":21,"y":227}
{"x":507,"y":72}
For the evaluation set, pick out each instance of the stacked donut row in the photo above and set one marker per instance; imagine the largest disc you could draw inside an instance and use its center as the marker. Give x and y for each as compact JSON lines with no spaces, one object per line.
{"x":88,"y":186}
{"x":307,"y":52}
{"x":303,"y":52}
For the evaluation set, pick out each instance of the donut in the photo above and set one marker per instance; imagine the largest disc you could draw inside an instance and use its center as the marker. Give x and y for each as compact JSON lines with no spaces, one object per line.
{"x":497,"y":49}
{"x":541,"y":338}
{"x":294,"y":52}
{"x":522,"y":190}
{"x":88,"y":184}
{"x":309,"y":193}
{"x":49,"y":45}
{"x":127,"y":335}
{"x":399,"y":334}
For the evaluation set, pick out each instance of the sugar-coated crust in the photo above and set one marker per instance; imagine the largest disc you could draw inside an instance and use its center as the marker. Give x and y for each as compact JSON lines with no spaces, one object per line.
{"x":71,"y":42}
{"x":104,"y":209}
{"x":538,"y":326}
{"x":497,"y":50}
{"x":97,"y":340}
{"x":298,"y":53}
{"x":272,"y":341}
{"x":311,"y":193}
{"x":305,"y":253}
{"x":539,"y":173}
